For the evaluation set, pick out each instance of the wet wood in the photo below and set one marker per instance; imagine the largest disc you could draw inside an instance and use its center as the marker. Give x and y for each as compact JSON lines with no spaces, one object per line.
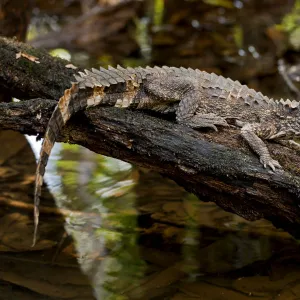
{"x":216,"y":167}
{"x":28,"y":79}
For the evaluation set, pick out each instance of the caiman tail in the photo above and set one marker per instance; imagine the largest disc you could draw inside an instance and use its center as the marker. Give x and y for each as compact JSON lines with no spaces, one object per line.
{"x":87,"y":91}
{"x":66,"y":107}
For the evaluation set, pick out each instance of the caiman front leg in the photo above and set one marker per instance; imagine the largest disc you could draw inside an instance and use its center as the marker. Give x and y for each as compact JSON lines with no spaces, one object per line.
{"x":249,"y":133}
{"x":186,"y":114}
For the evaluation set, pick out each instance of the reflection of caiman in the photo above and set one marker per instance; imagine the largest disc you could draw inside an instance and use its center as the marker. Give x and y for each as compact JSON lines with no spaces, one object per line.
{"x":198,"y":99}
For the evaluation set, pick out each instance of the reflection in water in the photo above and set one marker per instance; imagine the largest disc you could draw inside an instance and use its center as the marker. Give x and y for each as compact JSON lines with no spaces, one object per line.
{"x":133,"y":234}
{"x":26,"y":272}
{"x":137,"y":236}
{"x":105,"y":237}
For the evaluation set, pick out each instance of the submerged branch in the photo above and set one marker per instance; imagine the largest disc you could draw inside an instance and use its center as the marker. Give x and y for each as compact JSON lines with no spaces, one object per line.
{"x":214,"y":166}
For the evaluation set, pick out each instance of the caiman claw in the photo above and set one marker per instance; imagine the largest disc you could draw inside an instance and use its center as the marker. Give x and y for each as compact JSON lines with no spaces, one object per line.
{"x":270,"y":162}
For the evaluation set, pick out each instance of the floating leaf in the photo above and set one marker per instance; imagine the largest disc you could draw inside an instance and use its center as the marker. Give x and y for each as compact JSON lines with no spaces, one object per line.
{"x":27,"y":56}
{"x":71,"y":66}
{"x":61,"y":53}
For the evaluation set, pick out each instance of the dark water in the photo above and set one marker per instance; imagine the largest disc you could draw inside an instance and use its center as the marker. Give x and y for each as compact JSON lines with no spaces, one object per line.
{"x":129,"y":234}
{"x":110,"y":230}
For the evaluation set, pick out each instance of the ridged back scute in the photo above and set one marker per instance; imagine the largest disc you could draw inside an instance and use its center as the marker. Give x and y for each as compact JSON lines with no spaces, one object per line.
{"x":205,"y":80}
{"x":259,"y":98}
{"x":226,"y":89}
{"x":218,"y":82}
{"x":248,"y":96}
{"x":288,"y":108}
{"x":120,"y":72}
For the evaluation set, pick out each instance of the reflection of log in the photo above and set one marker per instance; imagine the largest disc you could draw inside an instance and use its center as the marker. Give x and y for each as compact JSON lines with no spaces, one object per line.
{"x":211,"y":165}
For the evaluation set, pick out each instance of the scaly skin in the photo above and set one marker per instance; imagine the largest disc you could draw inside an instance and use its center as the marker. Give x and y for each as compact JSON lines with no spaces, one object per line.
{"x":198,"y":99}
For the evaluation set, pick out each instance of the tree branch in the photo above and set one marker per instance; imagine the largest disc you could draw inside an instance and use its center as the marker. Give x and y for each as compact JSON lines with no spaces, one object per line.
{"x":215,"y":166}
{"x":27,"y":79}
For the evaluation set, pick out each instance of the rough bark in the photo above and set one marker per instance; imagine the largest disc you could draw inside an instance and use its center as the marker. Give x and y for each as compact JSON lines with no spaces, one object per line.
{"x":215,"y":166}
{"x":27,"y":79}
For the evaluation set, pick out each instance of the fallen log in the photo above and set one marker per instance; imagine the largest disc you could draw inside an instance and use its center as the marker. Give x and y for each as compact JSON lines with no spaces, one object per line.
{"x":217,"y":167}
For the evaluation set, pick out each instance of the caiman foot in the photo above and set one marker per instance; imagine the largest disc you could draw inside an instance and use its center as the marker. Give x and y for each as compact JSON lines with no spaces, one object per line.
{"x":248,"y":132}
{"x":206,"y":121}
{"x":268,"y":161}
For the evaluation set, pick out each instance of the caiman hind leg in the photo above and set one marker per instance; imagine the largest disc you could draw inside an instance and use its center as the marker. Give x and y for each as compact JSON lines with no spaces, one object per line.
{"x":187,"y":113}
{"x":290,"y":144}
{"x":173,"y":88}
{"x":204,"y":120}
{"x":289,"y":138}
{"x":249,"y":133}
